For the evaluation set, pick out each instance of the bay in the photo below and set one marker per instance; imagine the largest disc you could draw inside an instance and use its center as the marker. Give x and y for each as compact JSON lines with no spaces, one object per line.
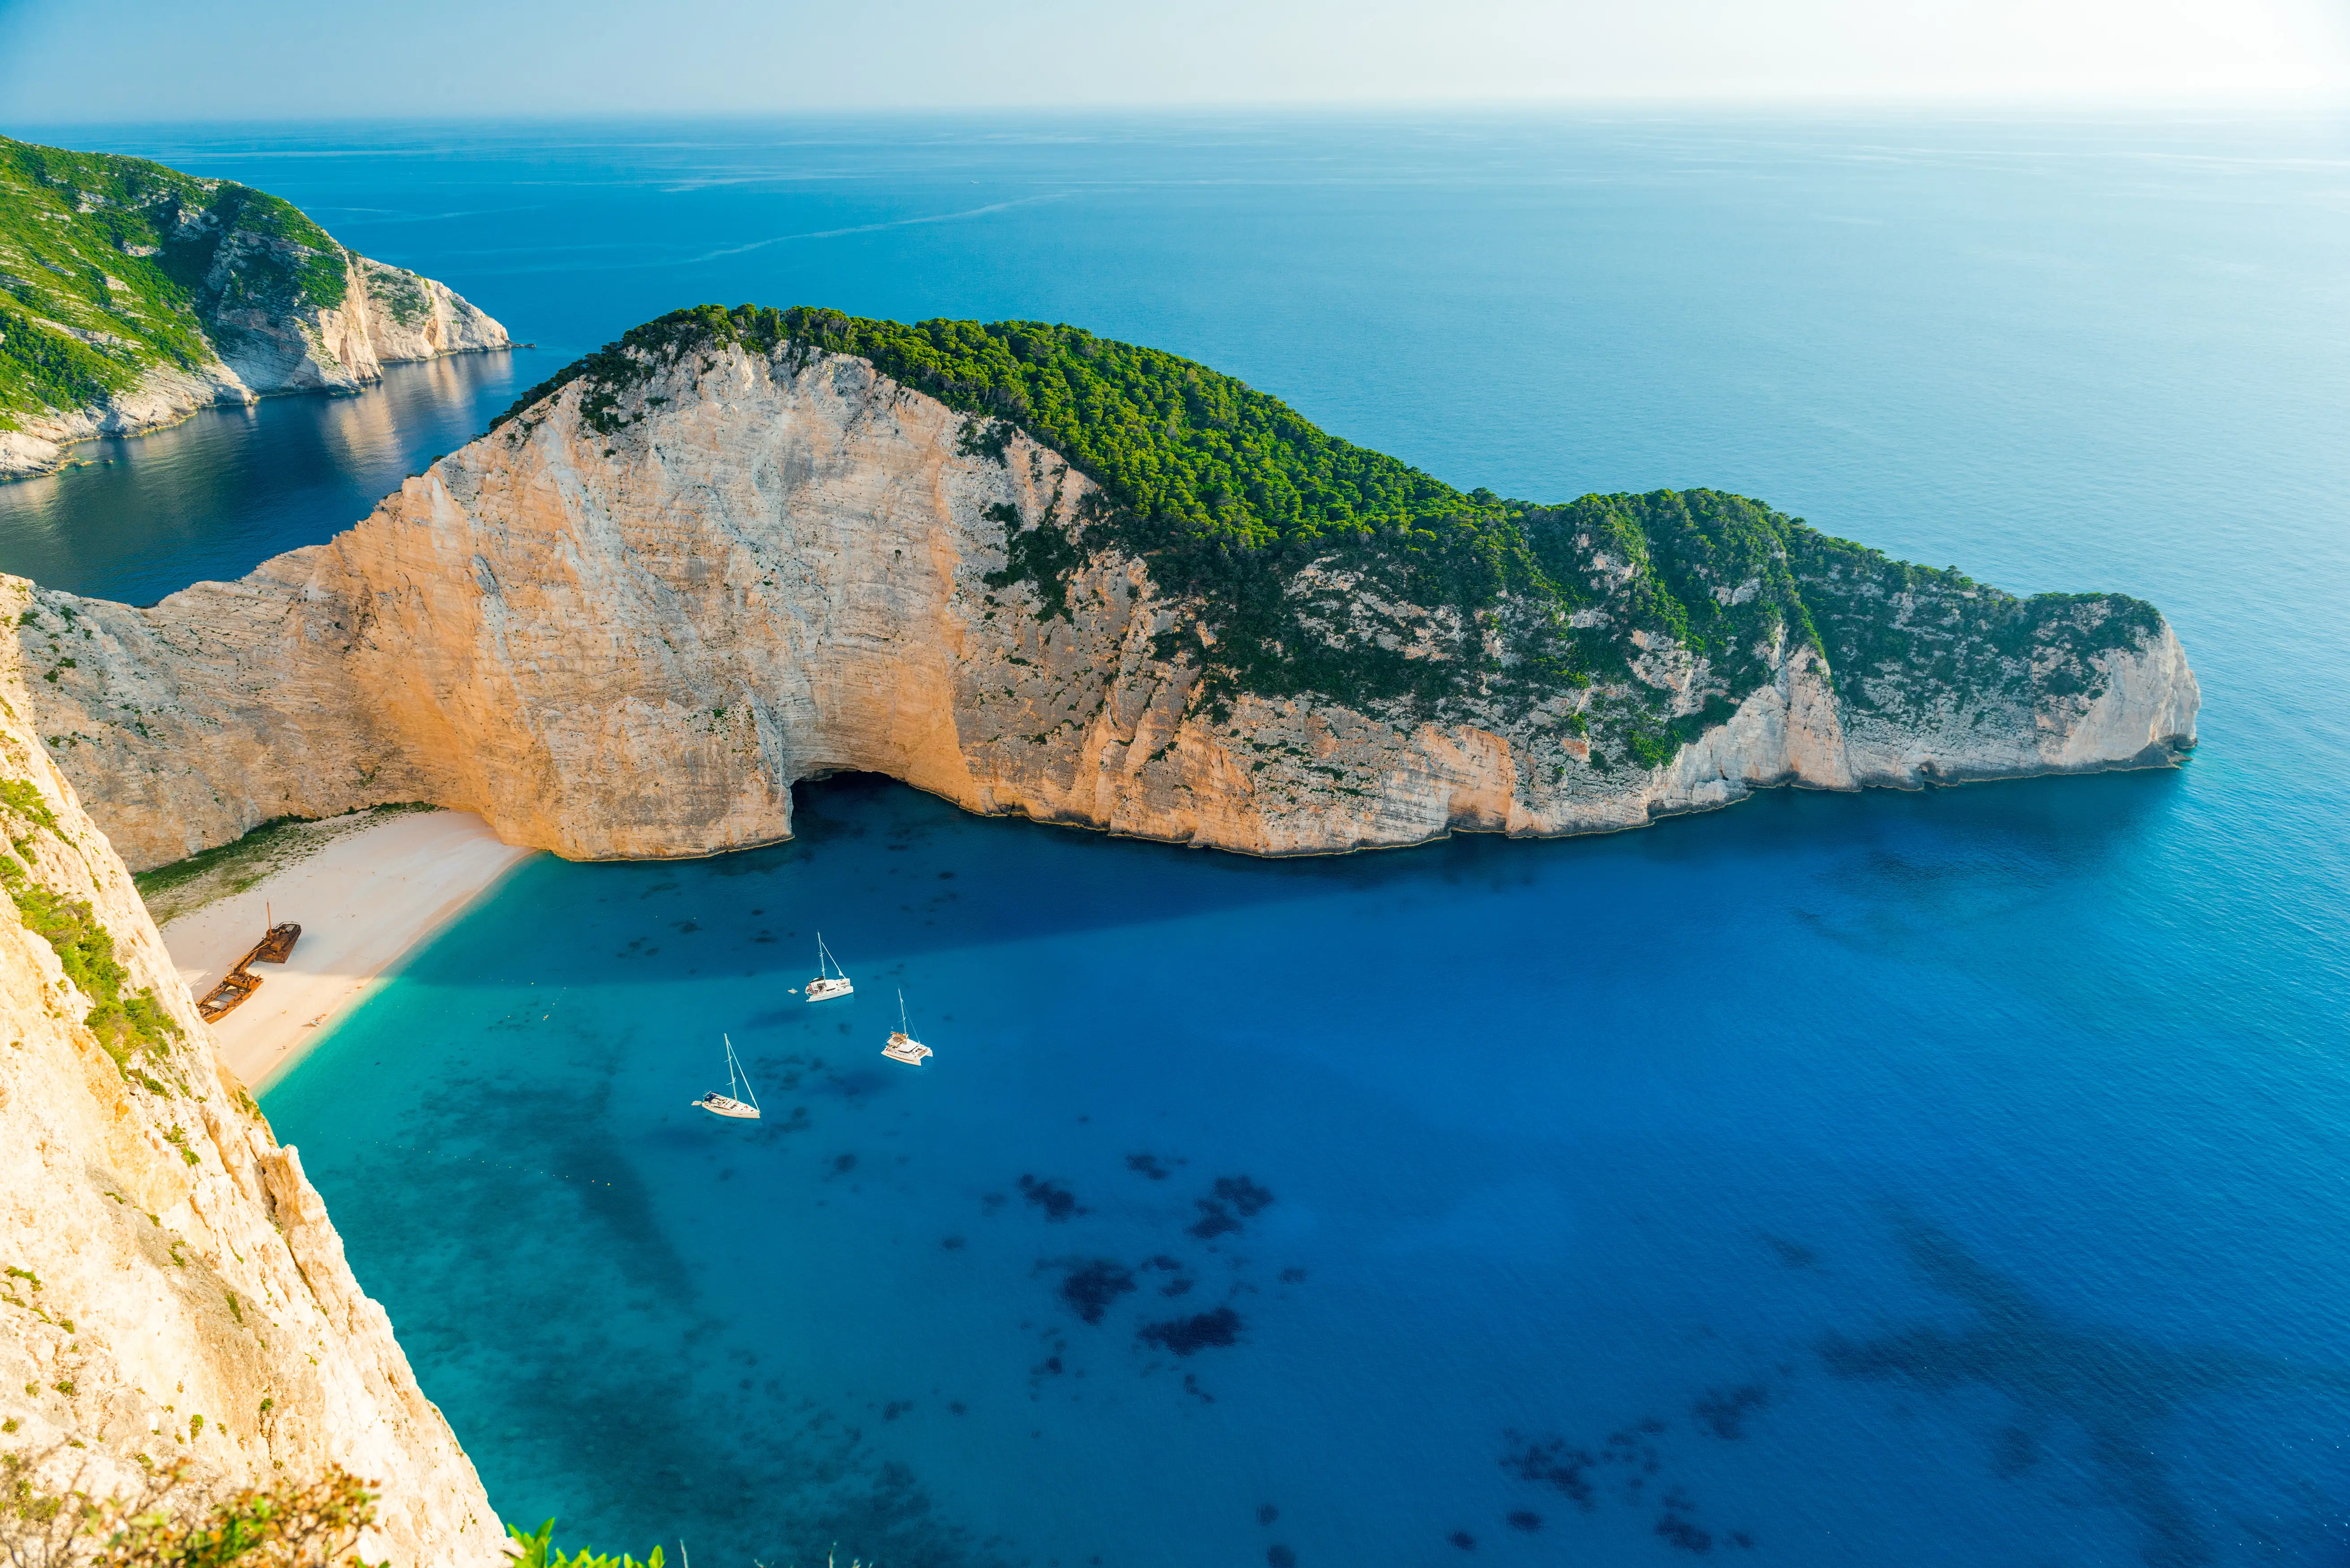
{"x":1956,"y":1178}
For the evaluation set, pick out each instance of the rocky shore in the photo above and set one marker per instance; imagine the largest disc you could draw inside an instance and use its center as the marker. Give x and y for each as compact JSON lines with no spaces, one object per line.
{"x":134,"y":295}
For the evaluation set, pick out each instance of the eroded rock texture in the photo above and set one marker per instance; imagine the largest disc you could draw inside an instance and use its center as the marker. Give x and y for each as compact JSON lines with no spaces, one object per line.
{"x":173,"y":1288}
{"x":624,"y":623}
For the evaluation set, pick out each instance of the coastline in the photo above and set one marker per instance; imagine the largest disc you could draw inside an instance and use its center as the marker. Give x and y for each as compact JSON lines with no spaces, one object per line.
{"x":12,"y":470}
{"x":365,"y":900}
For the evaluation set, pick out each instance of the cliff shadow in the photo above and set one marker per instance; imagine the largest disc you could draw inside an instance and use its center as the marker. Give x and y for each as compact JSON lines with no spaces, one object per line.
{"x":877,"y":863}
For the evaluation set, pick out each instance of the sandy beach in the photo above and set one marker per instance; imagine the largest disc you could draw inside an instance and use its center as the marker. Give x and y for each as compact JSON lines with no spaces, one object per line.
{"x":363,"y":900}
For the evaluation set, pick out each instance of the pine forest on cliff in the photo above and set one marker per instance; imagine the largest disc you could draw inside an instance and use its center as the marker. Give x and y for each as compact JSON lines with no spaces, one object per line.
{"x":1228,"y":493}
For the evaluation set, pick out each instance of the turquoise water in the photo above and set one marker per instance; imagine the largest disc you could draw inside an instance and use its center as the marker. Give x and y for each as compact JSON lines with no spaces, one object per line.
{"x":1943,"y":1178}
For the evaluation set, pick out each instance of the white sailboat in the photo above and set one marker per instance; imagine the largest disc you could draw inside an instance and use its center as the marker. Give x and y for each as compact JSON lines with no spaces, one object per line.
{"x":903,"y":1046}
{"x":831,"y":980}
{"x":726,"y":1104}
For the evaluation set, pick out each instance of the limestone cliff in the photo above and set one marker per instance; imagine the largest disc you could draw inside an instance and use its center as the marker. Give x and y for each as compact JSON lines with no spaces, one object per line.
{"x":626,"y":621}
{"x":173,"y":1289}
{"x":132,"y":295}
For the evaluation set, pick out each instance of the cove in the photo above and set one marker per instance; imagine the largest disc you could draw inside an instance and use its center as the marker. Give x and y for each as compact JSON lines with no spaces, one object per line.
{"x":1760,"y":1178}
{"x":1956,"y":1178}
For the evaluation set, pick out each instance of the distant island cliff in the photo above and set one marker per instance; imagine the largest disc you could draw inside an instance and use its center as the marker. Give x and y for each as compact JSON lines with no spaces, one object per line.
{"x":1041,"y":573}
{"x":132,"y":295}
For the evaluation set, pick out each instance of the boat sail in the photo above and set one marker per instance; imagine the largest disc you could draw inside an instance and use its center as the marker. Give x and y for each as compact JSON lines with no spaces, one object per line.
{"x":726,"y":1104}
{"x":831,"y":980}
{"x":903,"y":1046}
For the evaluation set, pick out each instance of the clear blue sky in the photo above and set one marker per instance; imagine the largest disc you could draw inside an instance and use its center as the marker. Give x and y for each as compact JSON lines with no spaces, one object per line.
{"x":64,"y":60}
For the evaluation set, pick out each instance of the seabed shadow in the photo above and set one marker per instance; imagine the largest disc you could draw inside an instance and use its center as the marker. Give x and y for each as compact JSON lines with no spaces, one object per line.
{"x":2122,"y":1392}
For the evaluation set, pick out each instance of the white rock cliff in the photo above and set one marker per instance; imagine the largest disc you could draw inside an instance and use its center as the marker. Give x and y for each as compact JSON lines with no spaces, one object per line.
{"x":174,"y":1291}
{"x":633,"y":642}
{"x":389,"y":316}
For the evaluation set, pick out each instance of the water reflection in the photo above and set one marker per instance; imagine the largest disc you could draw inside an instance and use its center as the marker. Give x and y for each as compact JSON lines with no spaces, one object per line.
{"x":144,"y":516}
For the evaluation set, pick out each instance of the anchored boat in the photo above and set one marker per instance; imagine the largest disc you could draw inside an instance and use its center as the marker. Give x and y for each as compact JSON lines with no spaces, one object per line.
{"x":903,"y":1046}
{"x":831,"y":980}
{"x":726,"y":1104}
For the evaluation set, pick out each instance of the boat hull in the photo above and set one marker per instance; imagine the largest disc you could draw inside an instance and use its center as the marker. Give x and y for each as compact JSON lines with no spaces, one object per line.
{"x":826,"y":989}
{"x":721,"y":1105}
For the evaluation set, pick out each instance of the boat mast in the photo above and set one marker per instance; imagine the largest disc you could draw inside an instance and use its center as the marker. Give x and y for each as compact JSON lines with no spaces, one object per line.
{"x":734,"y":1070}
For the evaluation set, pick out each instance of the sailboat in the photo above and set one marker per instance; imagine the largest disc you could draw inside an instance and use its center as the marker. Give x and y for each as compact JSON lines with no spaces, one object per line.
{"x":831,"y":980}
{"x":726,"y":1104}
{"x":903,"y":1046}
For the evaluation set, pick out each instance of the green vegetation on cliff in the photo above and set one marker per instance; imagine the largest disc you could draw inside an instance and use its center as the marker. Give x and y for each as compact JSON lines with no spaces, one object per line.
{"x":109,"y":266}
{"x":1317,"y":566}
{"x":129,"y":1024}
{"x":170,"y":1521}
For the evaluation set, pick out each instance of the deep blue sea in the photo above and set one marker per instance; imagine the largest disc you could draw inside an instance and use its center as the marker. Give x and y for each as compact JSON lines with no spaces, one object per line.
{"x":1948,"y":1179}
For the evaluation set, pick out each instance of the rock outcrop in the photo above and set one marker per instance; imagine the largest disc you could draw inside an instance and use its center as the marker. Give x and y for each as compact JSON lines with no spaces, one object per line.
{"x":174,"y":1292}
{"x":132,"y":295}
{"x":626,"y":622}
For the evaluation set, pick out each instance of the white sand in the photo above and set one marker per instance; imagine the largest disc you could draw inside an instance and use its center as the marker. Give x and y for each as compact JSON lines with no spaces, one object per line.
{"x":363,"y":901}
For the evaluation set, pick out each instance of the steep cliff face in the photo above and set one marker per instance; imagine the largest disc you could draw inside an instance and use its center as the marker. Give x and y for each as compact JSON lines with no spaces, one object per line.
{"x":384,"y":315}
{"x":625,"y":622}
{"x":132,"y":295}
{"x":173,"y":1289}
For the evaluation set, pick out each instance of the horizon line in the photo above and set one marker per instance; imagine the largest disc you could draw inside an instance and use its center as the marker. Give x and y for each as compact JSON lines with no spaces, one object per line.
{"x":2248,"y":106}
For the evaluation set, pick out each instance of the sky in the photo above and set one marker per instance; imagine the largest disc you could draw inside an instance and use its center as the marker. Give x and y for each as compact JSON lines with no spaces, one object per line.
{"x":112,"y":60}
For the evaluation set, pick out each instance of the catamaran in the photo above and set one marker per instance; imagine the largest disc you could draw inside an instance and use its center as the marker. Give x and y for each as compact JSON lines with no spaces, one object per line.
{"x":903,"y":1046}
{"x":726,"y":1104}
{"x":831,"y":980}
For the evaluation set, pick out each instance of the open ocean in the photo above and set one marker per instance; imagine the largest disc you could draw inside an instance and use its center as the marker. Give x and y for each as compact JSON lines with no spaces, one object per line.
{"x":1948,"y":1179}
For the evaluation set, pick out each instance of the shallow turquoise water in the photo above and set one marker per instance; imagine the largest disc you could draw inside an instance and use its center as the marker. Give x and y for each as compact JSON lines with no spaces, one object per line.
{"x":1955,"y":1178}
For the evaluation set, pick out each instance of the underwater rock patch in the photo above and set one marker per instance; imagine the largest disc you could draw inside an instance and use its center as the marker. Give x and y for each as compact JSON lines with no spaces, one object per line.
{"x":1629,"y":1453}
{"x":1724,"y":1411}
{"x":1552,"y":1462}
{"x":1092,"y":1286}
{"x":1056,"y":1201}
{"x":1190,"y":1335}
{"x":1233,"y":1199}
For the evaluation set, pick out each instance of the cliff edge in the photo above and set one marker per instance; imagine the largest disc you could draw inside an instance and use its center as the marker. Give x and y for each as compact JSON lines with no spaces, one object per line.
{"x":728,"y":554}
{"x":173,"y":1291}
{"x":132,"y":295}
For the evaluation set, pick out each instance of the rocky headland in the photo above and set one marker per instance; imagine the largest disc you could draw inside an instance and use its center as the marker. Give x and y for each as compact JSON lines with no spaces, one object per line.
{"x":1041,"y":574}
{"x":132,"y":295}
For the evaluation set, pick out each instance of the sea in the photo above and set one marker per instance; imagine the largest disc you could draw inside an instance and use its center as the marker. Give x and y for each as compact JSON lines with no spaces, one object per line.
{"x":1947,"y":1179}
